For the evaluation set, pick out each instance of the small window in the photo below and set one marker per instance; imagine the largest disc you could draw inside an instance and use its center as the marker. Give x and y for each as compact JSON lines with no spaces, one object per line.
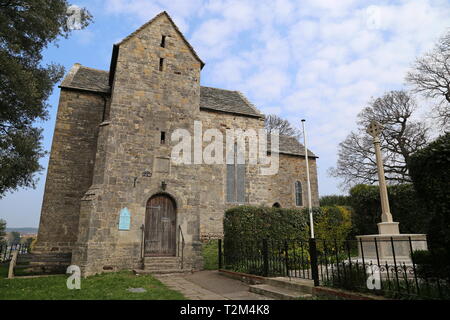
{"x":298,"y":194}
{"x":161,"y":64}
{"x":163,"y":137}
{"x":276,"y":205}
{"x":163,"y":41}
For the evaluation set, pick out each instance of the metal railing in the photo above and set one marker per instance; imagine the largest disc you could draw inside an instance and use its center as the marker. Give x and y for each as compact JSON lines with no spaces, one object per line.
{"x":384,"y":267}
{"x":7,"y":250}
{"x":181,"y":237}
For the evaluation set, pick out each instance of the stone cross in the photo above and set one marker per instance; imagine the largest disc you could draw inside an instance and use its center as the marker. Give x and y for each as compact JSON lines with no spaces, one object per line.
{"x":387,"y":225}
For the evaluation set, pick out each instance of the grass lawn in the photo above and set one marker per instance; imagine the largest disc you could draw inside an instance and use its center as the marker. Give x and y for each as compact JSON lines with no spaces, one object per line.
{"x":210,"y":255}
{"x":107,"y":286}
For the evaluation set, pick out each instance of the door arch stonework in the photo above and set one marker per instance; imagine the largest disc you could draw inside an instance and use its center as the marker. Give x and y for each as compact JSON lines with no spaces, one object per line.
{"x":160,"y":226}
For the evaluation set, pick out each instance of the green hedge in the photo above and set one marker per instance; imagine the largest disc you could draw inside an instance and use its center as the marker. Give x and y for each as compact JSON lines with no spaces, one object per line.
{"x":247,"y":223}
{"x":406,"y":208}
{"x":429,"y":169}
{"x":334,"y":200}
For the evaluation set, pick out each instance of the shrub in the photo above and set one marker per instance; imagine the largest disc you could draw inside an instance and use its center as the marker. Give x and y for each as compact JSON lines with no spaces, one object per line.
{"x":406,"y":208}
{"x":247,"y":223}
{"x":210,"y":254}
{"x":432,"y":264}
{"x":334,"y":200}
{"x":429,"y":170}
{"x":334,"y":223}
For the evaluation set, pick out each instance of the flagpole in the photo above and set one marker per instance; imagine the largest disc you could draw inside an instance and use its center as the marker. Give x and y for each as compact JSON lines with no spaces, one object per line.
{"x":311,"y":222}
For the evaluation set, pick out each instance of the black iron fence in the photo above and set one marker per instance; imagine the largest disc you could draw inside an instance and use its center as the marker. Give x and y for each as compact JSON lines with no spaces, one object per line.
{"x":379,"y":266}
{"x":7,"y":250}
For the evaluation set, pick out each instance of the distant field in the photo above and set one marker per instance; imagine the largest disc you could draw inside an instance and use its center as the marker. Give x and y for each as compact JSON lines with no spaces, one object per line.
{"x":23,"y":230}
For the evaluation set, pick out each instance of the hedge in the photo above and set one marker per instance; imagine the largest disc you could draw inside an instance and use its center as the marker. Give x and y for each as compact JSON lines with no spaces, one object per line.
{"x":429,"y":169}
{"x":406,"y":208}
{"x":249,"y":223}
{"x":334,"y":200}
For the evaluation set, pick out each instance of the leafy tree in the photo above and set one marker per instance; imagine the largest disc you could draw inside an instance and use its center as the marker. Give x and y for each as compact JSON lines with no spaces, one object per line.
{"x":401,"y":136}
{"x":334,"y":200}
{"x":14,"y":237}
{"x":2,"y":231}
{"x":26,"y":28}
{"x":429,"y":170}
{"x":273,"y":122}
{"x":406,"y":208}
{"x":431,"y":77}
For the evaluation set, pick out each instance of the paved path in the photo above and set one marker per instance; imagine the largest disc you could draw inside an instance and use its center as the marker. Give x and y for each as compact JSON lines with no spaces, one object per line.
{"x":208,"y":285}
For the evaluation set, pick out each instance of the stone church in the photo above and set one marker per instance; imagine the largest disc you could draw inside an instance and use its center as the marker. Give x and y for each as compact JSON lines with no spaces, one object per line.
{"x":113,"y":198}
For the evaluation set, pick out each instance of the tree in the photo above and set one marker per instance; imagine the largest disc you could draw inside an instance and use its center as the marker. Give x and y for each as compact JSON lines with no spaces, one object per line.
{"x":14,"y":237}
{"x":2,"y":231}
{"x":401,"y":136}
{"x":406,"y":207}
{"x":26,"y":28}
{"x":273,"y":122}
{"x":431,"y":77}
{"x":429,"y":171}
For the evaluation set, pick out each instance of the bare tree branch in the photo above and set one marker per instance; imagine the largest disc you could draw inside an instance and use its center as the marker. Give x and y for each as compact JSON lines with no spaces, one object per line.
{"x":272,"y":122}
{"x":400,"y":138}
{"x":431,"y":78}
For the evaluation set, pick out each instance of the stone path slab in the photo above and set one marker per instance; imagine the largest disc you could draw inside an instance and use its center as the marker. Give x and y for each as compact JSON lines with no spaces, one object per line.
{"x":208,"y":285}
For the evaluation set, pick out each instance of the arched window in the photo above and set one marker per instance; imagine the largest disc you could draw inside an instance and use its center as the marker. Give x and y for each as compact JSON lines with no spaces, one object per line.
{"x":298,"y":194}
{"x":276,"y":205}
{"x":236,"y":180}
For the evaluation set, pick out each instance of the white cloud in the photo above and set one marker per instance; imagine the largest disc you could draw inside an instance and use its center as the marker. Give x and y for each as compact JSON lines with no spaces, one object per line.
{"x":320,"y":59}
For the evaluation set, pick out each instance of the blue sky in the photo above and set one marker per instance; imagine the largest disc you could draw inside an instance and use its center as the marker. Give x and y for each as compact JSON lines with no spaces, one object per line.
{"x":317,"y":59}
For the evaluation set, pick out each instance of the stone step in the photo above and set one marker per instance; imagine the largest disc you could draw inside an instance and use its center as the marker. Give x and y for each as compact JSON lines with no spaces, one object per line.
{"x":161,"y":259}
{"x":296,"y":284}
{"x":161,"y":271}
{"x":277,"y":292}
{"x":161,"y":266}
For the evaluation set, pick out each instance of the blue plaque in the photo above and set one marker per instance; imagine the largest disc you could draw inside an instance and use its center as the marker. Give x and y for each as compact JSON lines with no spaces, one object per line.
{"x":124,"y":219}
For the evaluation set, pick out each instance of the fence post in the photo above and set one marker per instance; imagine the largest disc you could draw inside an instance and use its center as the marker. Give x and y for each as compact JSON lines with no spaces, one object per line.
{"x":220,"y":253}
{"x":265,"y":258}
{"x":313,"y":256}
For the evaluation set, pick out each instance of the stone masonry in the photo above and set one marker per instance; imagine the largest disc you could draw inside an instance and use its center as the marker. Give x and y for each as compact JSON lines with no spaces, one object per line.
{"x":108,"y":134}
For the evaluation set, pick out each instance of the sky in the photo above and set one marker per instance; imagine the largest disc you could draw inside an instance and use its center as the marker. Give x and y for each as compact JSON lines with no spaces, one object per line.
{"x":321,"y":60}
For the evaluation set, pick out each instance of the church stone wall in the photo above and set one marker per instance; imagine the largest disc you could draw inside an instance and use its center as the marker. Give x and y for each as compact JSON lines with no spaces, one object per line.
{"x":145,"y":101}
{"x":282,"y":185}
{"x":212,"y":178}
{"x":70,"y":169}
{"x":96,"y":167}
{"x":260,"y":190}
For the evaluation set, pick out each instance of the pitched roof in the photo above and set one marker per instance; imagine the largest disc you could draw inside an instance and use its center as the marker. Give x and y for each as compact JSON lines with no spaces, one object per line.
{"x":83,"y":78}
{"x":211,"y":99}
{"x":227,"y":101}
{"x":291,"y":146}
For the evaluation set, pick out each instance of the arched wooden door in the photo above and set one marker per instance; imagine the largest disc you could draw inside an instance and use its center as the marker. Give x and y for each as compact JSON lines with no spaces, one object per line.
{"x":160,"y":226}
